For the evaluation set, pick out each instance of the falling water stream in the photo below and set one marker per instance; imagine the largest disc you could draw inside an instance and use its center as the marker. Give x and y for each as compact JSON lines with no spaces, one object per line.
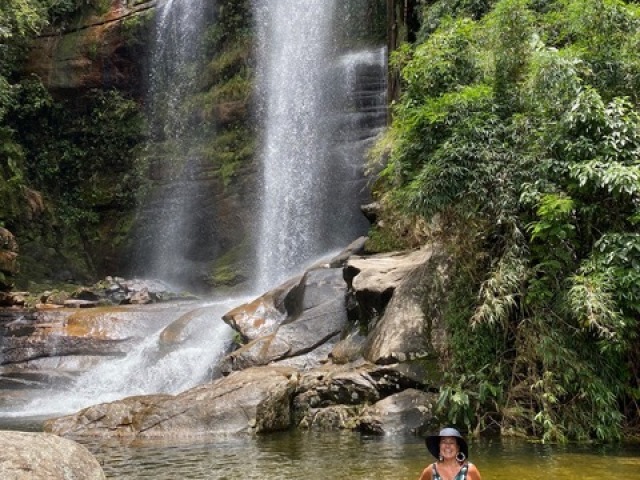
{"x":173,"y":220}
{"x":311,"y":158}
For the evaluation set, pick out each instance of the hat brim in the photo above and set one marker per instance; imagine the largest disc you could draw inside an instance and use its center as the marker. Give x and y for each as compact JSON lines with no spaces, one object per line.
{"x":433,"y":445}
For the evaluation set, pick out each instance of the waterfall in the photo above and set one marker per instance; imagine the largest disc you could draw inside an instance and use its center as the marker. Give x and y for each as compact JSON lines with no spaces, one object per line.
{"x":321,"y":103}
{"x":175,"y":229}
{"x":312,"y":179}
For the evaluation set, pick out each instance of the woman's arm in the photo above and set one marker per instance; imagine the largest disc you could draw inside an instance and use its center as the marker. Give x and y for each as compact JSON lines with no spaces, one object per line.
{"x":426,"y":473}
{"x":473,"y":473}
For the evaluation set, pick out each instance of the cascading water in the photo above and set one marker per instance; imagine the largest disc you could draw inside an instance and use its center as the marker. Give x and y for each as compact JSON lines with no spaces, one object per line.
{"x":294,"y":39}
{"x":154,"y":365}
{"x":312,"y":174}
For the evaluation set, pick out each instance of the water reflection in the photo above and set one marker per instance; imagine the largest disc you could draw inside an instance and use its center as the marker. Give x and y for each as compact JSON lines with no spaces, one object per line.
{"x":294,"y":456}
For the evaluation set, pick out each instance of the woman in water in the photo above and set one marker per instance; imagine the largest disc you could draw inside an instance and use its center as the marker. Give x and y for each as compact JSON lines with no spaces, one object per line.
{"x":451,"y":452}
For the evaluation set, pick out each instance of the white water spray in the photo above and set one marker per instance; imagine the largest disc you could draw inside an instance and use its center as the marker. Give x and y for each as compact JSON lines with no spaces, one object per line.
{"x":294,"y":39}
{"x":152,"y":366}
{"x":172,"y":217}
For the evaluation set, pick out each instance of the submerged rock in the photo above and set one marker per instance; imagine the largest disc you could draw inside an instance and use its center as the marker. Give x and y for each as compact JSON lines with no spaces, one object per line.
{"x":41,"y":456}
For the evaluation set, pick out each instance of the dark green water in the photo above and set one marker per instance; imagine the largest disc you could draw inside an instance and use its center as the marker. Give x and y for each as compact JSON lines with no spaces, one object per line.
{"x":310,"y":455}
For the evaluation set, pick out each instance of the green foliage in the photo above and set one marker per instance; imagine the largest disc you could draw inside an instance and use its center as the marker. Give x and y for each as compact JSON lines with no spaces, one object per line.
{"x":228,"y":270}
{"x":227,"y":86}
{"x":92,"y":148}
{"x":434,"y":14}
{"x":229,"y":62}
{"x":21,"y":18}
{"x":135,"y":28}
{"x":443,"y":63}
{"x":519,"y":130}
{"x":232,"y":21}
{"x":78,"y":147}
{"x":509,"y":28}
{"x":237,"y":88}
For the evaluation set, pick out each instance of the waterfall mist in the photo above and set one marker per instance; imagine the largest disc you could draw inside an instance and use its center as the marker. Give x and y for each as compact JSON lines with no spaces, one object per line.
{"x":175,"y":228}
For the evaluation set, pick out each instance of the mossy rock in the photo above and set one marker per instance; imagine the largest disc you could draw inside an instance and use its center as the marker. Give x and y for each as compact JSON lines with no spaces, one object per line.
{"x":230,"y":151}
{"x":229,"y":270}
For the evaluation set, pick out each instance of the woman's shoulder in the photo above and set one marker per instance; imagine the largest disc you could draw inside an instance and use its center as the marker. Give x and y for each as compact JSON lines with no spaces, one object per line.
{"x":473,"y":472}
{"x":427,"y":473}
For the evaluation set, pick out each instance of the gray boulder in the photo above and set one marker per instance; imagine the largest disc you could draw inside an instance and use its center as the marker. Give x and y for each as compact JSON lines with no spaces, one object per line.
{"x":314,"y":314}
{"x":334,"y":396}
{"x":409,"y":411}
{"x":401,"y":295}
{"x":264,"y":315}
{"x":251,"y":401}
{"x":41,"y":456}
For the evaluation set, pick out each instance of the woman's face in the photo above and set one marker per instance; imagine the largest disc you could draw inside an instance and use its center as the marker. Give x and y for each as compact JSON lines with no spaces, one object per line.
{"x":449,"y":447}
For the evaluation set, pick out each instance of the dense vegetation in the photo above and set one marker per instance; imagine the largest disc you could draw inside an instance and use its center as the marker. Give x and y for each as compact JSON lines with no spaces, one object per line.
{"x":66,"y":168}
{"x":517,"y":142}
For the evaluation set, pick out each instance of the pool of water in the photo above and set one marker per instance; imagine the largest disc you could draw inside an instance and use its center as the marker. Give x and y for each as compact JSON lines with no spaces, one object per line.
{"x":304,"y":455}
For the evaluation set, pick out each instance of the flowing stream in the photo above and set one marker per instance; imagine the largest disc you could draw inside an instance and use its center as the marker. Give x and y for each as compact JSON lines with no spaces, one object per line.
{"x":153,"y":365}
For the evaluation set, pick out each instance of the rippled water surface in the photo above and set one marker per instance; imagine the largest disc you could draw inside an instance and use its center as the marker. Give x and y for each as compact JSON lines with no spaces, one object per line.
{"x":313,"y":455}
{"x":350,"y":456}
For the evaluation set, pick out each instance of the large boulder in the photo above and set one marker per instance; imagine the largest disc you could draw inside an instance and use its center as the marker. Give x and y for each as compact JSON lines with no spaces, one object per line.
{"x":26,"y":336}
{"x":336,"y":396}
{"x":252,"y":401}
{"x":401,"y":295}
{"x":409,"y":411}
{"x":264,"y":315}
{"x":41,"y":456}
{"x":311,"y":314}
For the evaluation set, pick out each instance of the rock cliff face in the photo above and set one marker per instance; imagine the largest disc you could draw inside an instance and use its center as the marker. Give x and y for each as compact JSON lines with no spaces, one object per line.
{"x":110,"y":50}
{"x":100,"y":51}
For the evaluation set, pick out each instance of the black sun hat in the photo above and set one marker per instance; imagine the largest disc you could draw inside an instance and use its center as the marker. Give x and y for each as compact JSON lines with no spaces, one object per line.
{"x":433,"y":441}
